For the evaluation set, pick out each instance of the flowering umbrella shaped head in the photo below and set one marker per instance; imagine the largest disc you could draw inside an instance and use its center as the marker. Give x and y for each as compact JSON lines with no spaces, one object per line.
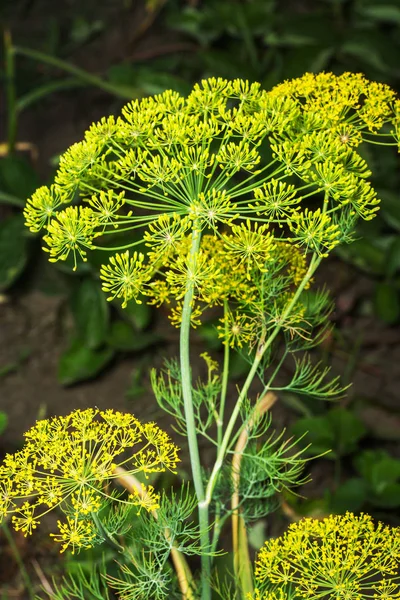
{"x":342,"y":556}
{"x":69,"y":462}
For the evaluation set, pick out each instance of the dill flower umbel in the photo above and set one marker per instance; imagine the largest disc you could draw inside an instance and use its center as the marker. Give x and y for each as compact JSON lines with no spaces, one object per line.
{"x":231,"y":162}
{"x":342,"y":556}
{"x":69,"y":462}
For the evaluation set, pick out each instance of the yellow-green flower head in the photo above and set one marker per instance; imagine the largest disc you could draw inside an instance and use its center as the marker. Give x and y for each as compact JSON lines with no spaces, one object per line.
{"x":342,"y":556}
{"x":69,"y":462}
{"x":42,"y":207}
{"x":233,"y":161}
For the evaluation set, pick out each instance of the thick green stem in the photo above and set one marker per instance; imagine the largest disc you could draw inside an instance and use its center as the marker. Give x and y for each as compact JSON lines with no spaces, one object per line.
{"x":186,"y":379}
{"x":259,"y":355}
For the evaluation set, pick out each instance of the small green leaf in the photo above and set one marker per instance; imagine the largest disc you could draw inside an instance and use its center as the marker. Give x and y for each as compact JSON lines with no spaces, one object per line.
{"x":387,"y":302}
{"x":91,"y":312}
{"x":351,"y":495}
{"x":123,"y":337}
{"x":18,"y":177}
{"x":3,"y":421}
{"x":79,"y":362}
{"x":13,"y":250}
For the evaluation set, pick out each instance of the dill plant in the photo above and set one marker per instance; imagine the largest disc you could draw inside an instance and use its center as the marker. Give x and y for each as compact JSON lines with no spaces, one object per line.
{"x":228,"y":199}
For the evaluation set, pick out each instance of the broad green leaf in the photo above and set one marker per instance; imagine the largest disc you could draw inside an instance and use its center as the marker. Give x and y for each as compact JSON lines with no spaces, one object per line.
{"x":91,"y":312}
{"x":387,"y":302}
{"x":338,"y":431}
{"x":389,"y":497}
{"x":79,"y":362}
{"x":17,"y":176}
{"x":351,"y":495}
{"x":318,"y":432}
{"x":365,"y":53}
{"x":14,"y":239}
{"x":389,"y":13}
{"x":385,"y":472}
{"x":347,"y":429}
{"x":139,"y":315}
{"x":378,"y":468}
{"x":3,"y":421}
{"x":123,"y":337}
{"x":364,"y":462}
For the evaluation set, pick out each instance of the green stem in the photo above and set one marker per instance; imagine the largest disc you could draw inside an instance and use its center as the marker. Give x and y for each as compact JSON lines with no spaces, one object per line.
{"x":186,"y":379}
{"x":12,"y":200}
{"x":125,"y":92}
{"x":19,"y":561}
{"x":44,"y":90}
{"x":225,"y":374}
{"x":10,"y":92}
{"x":110,"y":540}
{"x":220,"y":423}
{"x":259,"y":355}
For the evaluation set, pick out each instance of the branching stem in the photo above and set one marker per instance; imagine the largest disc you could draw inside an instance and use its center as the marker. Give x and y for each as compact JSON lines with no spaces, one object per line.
{"x":315,"y":260}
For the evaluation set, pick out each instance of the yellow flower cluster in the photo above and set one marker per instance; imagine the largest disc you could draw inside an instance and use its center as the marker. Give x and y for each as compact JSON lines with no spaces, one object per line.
{"x":334,"y":98}
{"x":69,"y":462}
{"x":254,"y":169}
{"x":342,"y":556}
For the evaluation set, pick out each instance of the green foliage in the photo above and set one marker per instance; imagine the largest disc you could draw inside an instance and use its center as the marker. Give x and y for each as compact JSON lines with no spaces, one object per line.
{"x":14,"y":250}
{"x":18,"y":179}
{"x":91,"y":314}
{"x":268,"y":468}
{"x":82,"y":585}
{"x":335,"y":434}
{"x":375,"y":486}
{"x":79,"y":362}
